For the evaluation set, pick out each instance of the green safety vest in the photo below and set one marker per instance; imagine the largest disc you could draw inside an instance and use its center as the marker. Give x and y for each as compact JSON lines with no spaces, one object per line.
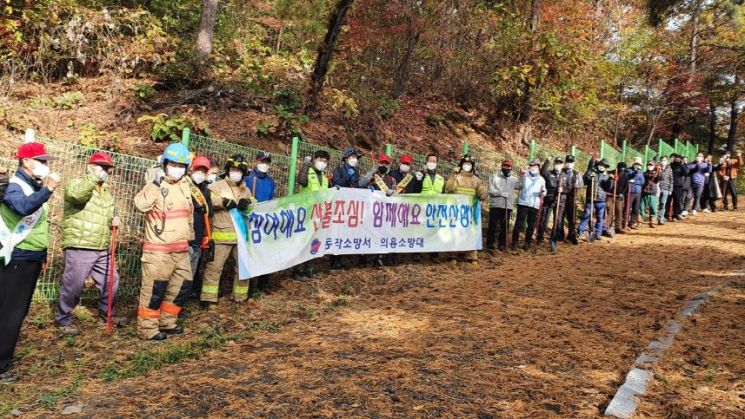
{"x":429,"y":188}
{"x":314,"y":183}
{"x":38,"y":239}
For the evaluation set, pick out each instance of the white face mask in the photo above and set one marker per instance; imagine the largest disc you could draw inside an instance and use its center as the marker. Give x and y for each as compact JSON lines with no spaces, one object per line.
{"x":431,"y":166}
{"x":569,"y":166}
{"x":352,"y":162}
{"x":320,"y":165}
{"x":663,"y":163}
{"x":198,"y":177}
{"x":40,"y":170}
{"x":533,"y":170}
{"x":211,"y":177}
{"x":699,"y":159}
{"x":601,"y":169}
{"x":558,"y":167}
{"x":467,"y":167}
{"x":650,"y":168}
{"x":262,"y":167}
{"x":404,"y":168}
{"x":235,"y":176}
{"x":175,"y":172}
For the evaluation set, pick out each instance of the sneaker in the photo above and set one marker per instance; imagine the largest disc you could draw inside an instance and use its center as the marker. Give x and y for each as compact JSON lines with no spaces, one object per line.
{"x":684,"y":213}
{"x":694,"y":212}
{"x":8,"y":377}
{"x":552,"y":246}
{"x":69,"y":330}
{"x":160,"y":336}
{"x":706,"y":211}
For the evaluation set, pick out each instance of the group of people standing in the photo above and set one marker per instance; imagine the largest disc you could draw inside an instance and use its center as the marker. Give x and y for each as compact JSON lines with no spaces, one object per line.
{"x":189,"y":232}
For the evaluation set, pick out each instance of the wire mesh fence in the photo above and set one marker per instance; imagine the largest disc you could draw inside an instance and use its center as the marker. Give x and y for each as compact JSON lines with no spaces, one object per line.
{"x":610,"y":154}
{"x":665,"y":149}
{"x":125,"y":180}
{"x":630,"y":155}
{"x":220,"y":150}
{"x":582,"y":158}
{"x":544,"y":153}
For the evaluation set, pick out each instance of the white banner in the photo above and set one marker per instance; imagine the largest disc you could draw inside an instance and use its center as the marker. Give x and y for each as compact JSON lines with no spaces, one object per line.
{"x":288,"y":231}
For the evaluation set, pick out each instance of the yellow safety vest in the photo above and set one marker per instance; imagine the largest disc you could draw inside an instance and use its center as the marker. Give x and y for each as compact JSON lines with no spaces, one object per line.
{"x":314,"y":182}
{"x":430,"y":188}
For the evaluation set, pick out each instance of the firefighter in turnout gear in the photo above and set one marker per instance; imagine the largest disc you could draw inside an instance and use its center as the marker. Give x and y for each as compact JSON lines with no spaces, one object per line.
{"x":166,"y":265}
{"x":228,"y":193}
{"x":464,"y":182}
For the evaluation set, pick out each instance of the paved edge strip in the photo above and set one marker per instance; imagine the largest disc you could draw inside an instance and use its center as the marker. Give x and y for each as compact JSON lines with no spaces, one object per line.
{"x":626,"y":399}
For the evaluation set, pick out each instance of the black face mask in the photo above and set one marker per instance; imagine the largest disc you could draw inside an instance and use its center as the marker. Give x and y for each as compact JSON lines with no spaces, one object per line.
{"x":382,"y":169}
{"x":506,"y":172}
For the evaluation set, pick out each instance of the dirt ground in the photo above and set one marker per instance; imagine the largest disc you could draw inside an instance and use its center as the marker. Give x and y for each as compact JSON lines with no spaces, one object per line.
{"x":517,"y":336}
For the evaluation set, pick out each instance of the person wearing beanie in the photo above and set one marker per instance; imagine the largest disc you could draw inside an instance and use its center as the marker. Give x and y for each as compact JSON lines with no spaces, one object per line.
{"x":347,"y":175}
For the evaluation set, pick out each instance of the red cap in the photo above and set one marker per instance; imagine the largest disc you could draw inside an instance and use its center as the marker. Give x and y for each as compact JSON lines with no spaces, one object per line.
{"x":101,"y":159}
{"x":33,"y":151}
{"x":200,"y":161}
{"x":406,"y":159}
{"x":507,"y":163}
{"x":384,"y":158}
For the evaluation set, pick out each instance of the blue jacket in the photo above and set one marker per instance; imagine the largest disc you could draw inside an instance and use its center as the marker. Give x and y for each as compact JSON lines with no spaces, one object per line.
{"x":346,"y":176}
{"x":531,"y":190}
{"x":698,"y":173}
{"x":24,"y":205}
{"x":261,"y":185}
{"x":638,"y":177}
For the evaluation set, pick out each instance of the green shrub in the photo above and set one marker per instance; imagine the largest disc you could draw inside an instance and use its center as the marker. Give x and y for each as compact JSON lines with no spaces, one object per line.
{"x":170,"y":128}
{"x":68,"y":100}
{"x":143,"y":91}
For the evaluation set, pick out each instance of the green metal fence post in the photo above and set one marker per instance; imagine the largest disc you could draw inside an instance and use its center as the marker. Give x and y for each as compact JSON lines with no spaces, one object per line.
{"x":29,"y":136}
{"x":389,"y":150}
{"x":602,"y":149}
{"x":293,"y":166}
{"x":573,"y":151}
{"x":531,"y":151}
{"x":465,"y":148}
{"x":186,"y":137}
{"x":623,"y":150}
{"x":676,"y":147}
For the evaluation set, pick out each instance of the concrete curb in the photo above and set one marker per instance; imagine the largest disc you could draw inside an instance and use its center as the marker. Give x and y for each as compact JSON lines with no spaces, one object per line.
{"x":626,"y":399}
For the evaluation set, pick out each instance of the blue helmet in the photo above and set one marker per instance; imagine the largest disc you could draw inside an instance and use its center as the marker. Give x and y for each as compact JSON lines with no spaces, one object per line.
{"x":177,"y":153}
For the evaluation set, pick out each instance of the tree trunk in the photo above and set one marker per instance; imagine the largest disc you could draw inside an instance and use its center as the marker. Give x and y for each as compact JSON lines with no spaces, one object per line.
{"x":325,"y":52}
{"x":694,"y":38}
{"x":712,"y":127}
{"x":527,"y":108}
{"x":734,"y":113}
{"x":204,"y":36}
{"x":402,"y":72}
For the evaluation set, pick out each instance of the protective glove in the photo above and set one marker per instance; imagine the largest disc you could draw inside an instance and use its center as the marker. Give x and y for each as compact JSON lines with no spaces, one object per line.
{"x":159,"y":176}
{"x":243,"y":204}
{"x":390,"y":192}
{"x":419,"y":176}
{"x":228,"y":203}
{"x":307,"y":160}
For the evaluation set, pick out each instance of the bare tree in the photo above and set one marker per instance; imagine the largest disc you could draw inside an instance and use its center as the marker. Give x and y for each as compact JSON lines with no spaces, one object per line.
{"x":204,"y":35}
{"x":325,"y":52}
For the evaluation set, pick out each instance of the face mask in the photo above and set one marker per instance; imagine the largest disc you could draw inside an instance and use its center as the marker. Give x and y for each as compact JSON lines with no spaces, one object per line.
{"x":235,"y":176}
{"x":663,"y":163}
{"x":431,"y":166}
{"x":211,"y":177}
{"x":176,"y":172}
{"x":506,"y":172}
{"x":637,"y":167}
{"x":40,"y":170}
{"x":382,"y":169}
{"x":352,"y":162}
{"x":569,"y":166}
{"x":404,"y":168}
{"x":320,"y":165}
{"x":533,"y":170}
{"x":467,"y":167}
{"x":262,"y":167}
{"x":558,"y":167}
{"x":103,"y":176}
{"x":198,"y":177}
{"x":650,"y":168}
{"x":601,"y":169}
{"x":699,"y":159}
